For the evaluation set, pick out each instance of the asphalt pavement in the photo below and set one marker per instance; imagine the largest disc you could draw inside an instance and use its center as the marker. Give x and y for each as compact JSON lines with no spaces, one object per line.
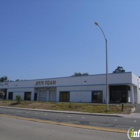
{"x":14,"y":129}
{"x":114,"y":122}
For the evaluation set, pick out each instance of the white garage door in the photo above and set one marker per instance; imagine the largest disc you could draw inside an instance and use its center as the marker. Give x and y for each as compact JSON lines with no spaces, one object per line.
{"x":42,"y":95}
{"x":52,"y":94}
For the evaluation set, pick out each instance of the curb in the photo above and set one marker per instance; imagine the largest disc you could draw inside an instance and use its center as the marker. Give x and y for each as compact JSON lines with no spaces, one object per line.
{"x":69,"y":125}
{"x":64,"y":112}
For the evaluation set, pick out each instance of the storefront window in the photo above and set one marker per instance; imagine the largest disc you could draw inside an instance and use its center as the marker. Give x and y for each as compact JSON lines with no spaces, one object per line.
{"x":27,"y":96}
{"x":64,"y":96}
{"x":119,"y":94}
{"x":97,"y":96}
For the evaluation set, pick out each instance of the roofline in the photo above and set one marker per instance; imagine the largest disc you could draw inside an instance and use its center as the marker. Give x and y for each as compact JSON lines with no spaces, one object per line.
{"x":68,"y":77}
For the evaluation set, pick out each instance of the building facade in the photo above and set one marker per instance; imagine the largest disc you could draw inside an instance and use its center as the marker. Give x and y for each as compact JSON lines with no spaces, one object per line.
{"x":123,"y":88}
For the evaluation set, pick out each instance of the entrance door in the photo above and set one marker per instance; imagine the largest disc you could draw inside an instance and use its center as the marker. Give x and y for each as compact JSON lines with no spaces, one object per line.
{"x":42,"y":95}
{"x":27,"y":96}
{"x":35,"y":96}
{"x":10,"y":97}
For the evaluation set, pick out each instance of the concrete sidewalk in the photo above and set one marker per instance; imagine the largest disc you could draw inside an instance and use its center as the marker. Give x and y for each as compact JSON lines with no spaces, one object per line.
{"x":137,"y":108}
{"x":135,"y":113}
{"x":132,"y":115}
{"x":67,"y":112}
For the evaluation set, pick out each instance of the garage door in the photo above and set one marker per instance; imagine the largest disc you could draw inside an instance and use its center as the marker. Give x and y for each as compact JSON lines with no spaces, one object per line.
{"x":52,"y":96}
{"x":42,"y":95}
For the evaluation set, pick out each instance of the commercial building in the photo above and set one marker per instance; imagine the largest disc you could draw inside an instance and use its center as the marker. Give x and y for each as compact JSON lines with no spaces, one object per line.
{"x":123,"y":87}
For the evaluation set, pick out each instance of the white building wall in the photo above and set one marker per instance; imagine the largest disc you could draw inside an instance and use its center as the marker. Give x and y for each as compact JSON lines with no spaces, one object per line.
{"x":136,"y":82}
{"x":132,"y":93}
{"x":135,"y":95}
{"x":119,"y":78}
{"x":80,"y":96}
{"x":15,"y":93}
{"x":135,"y":79}
{"x":74,"y":84}
{"x":32,"y":94}
{"x":20,"y":91}
{"x":139,"y":97}
{"x":138,"y":90}
{"x":129,"y":96}
{"x":81,"y":93}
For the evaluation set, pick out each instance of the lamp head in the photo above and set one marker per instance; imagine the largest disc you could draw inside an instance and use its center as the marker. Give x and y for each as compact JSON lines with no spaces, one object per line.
{"x":96,"y":23}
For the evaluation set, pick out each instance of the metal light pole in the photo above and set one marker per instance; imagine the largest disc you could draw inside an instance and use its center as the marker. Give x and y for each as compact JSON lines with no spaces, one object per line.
{"x":107,"y":94}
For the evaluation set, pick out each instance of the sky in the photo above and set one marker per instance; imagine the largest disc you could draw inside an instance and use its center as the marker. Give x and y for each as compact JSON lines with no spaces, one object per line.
{"x":56,"y":38}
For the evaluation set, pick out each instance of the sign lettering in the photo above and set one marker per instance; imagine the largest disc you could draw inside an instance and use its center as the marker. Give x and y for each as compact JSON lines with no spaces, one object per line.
{"x":46,"y":82}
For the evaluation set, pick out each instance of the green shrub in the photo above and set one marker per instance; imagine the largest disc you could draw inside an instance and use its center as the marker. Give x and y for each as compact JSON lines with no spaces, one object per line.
{"x":18,"y":98}
{"x":69,"y":105}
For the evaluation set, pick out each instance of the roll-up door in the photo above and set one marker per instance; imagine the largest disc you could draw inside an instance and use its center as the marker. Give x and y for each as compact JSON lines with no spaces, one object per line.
{"x":42,"y":95}
{"x":52,"y":95}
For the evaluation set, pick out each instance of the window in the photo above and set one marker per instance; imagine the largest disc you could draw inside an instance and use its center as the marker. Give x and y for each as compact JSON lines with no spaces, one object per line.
{"x":119,"y":94}
{"x":27,"y":96}
{"x":64,"y":96}
{"x":35,"y":96}
{"x":97,"y":97}
{"x":10,"y":97}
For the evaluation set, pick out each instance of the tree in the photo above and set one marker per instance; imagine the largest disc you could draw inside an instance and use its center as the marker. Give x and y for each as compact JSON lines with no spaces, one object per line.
{"x":119,"y":69}
{"x":1,"y":94}
{"x":3,"y":79}
{"x":18,"y":98}
{"x":84,"y":74}
{"x":80,"y":74}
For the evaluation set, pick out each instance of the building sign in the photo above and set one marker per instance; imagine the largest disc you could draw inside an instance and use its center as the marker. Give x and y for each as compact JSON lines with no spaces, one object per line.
{"x":46,"y":82}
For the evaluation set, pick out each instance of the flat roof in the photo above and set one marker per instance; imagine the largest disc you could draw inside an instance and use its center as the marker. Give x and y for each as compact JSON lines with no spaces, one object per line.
{"x":69,"y":77}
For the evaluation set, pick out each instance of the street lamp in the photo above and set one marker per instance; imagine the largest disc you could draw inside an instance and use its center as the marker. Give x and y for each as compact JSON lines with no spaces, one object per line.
{"x":107,"y":95}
